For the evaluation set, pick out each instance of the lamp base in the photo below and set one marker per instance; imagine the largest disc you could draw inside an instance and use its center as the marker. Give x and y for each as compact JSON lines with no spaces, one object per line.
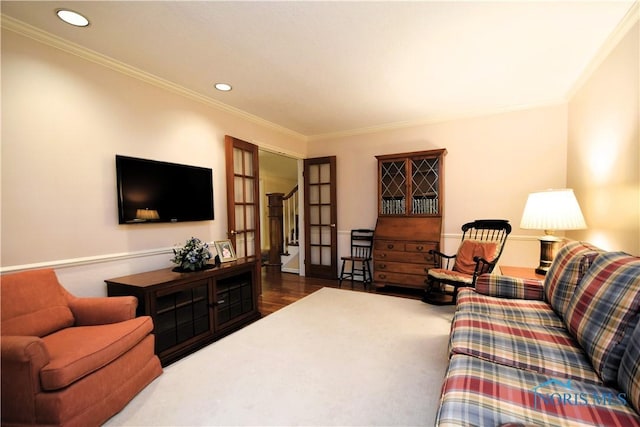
{"x":542,"y":270}
{"x":548,"y":250}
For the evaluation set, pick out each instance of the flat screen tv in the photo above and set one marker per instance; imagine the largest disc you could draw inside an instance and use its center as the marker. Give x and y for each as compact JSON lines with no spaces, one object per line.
{"x":151,"y":191}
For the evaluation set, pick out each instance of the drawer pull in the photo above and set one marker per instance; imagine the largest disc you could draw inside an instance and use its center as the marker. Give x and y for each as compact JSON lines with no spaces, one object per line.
{"x":220,"y":302}
{"x":390,"y":246}
{"x":382,"y":266}
{"x":382,"y":276}
{"x":420,"y":247}
{"x":383,"y":255}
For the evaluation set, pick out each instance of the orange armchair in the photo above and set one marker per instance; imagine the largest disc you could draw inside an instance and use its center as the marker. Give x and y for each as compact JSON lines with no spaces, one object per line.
{"x":69,"y":361}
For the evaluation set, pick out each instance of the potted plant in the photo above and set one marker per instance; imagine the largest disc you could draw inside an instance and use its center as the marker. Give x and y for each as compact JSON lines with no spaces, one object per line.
{"x":193,"y":256}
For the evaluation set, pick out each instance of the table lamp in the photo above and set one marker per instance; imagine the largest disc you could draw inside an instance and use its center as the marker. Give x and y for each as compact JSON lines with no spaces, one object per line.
{"x":551,"y":210}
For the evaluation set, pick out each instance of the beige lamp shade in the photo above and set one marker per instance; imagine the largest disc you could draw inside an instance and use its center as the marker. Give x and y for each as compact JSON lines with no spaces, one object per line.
{"x":552,"y":210}
{"x":549,"y":211}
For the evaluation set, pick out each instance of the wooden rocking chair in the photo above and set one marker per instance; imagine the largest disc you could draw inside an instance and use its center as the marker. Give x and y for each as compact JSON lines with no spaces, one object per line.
{"x":482,"y":244}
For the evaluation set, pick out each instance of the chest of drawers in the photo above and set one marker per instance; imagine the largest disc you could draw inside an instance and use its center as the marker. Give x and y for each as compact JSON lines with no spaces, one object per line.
{"x":401,"y":251}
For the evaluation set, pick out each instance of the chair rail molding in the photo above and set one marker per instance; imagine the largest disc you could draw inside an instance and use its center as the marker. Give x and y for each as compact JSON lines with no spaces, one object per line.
{"x":89,"y":260}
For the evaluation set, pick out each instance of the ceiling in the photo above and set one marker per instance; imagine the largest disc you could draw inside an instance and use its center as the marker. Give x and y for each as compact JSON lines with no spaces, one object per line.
{"x":322,"y":68}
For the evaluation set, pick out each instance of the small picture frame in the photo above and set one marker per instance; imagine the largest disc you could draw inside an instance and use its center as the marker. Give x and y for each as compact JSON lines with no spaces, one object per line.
{"x":225,"y":250}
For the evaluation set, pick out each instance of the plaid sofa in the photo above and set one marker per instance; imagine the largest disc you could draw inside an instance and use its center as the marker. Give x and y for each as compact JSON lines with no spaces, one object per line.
{"x":563,"y":352}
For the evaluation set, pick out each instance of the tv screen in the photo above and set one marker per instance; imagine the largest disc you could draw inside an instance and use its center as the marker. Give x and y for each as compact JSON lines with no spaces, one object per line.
{"x":153,"y":191}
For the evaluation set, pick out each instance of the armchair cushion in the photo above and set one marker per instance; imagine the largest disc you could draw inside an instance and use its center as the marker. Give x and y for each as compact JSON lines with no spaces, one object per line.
{"x":79,"y":351}
{"x":468,"y":250}
{"x":37,"y":305}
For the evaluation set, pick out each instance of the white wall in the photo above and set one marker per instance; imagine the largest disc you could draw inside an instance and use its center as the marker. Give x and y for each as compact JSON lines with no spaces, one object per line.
{"x":493,"y":163}
{"x":63,"y":120}
{"x":604,"y":149}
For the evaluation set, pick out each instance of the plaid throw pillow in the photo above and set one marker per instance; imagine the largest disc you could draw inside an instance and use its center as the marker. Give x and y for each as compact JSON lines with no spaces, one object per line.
{"x":604,"y":310}
{"x":569,"y":265}
{"x":629,"y":372}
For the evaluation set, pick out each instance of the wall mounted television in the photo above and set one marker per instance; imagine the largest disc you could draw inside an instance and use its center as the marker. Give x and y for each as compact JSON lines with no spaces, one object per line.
{"x":151,"y":191}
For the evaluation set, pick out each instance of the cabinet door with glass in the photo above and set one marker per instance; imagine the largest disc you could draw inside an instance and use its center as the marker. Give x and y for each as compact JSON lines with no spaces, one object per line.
{"x":410,"y":184}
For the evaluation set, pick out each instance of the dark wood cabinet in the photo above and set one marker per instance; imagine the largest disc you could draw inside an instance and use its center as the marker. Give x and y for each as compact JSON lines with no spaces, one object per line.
{"x":191,"y":310}
{"x":410,"y":205}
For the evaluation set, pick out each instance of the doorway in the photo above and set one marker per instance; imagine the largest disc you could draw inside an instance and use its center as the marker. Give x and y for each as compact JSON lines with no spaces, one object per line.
{"x":279,"y":173}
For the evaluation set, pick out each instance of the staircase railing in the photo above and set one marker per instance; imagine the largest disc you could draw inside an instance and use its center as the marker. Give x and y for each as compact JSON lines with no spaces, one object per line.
{"x":290,"y":230}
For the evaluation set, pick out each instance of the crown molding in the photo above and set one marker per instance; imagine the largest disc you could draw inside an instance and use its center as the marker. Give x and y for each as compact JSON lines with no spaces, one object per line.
{"x":64,"y":45}
{"x":629,"y":20}
{"x":442,"y":118}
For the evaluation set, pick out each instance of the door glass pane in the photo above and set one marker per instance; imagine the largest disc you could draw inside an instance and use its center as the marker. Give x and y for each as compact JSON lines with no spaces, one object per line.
{"x":325,"y":172}
{"x":326,"y":256}
{"x":249,"y":189}
{"x":314,"y":194}
{"x":314,"y":174}
{"x":314,"y":213}
{"x":250,"y":217}
{"x":250,"y":240}
{"x":240,"y":225}
{"x":424,"y":184}
{"x":393,"y":183}
{"x":237,"y":161}
{"x":248,"y":164}
{"x":241,"y":247}
{"x":238,"y":196}
{"x":325,"y":214}
{"x":315,"y":235}
{"x":325,"y":193}
{"x":315,"y":255}
{"x":326,"y":235}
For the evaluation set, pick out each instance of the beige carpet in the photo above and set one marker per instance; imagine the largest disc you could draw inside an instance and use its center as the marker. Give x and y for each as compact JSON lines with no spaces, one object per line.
{"x":336,"y":357}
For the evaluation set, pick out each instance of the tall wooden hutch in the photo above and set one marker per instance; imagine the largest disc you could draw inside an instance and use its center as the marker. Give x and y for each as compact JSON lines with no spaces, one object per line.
{"x":410,"y":203}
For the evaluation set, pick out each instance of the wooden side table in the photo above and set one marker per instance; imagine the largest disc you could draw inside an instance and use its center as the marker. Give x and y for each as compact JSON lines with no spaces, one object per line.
{"x":521,"y":272}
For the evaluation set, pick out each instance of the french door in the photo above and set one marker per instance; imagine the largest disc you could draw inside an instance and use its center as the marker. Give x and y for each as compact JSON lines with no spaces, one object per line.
{"x":321,"y":235}
{"x":243,"y":198}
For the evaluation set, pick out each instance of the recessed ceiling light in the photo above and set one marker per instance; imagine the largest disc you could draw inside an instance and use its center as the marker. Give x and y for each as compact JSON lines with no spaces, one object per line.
{"x":223,"y":87}
{"x":73,"y":18}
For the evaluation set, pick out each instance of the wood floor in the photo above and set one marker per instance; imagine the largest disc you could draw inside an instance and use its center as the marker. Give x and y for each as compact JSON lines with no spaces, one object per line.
{"x":282,"y":289}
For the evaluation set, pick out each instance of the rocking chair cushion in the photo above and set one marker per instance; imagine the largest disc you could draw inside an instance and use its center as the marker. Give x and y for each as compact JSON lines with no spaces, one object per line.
{"x":470,"y":249}
{"x":442,"y":274}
